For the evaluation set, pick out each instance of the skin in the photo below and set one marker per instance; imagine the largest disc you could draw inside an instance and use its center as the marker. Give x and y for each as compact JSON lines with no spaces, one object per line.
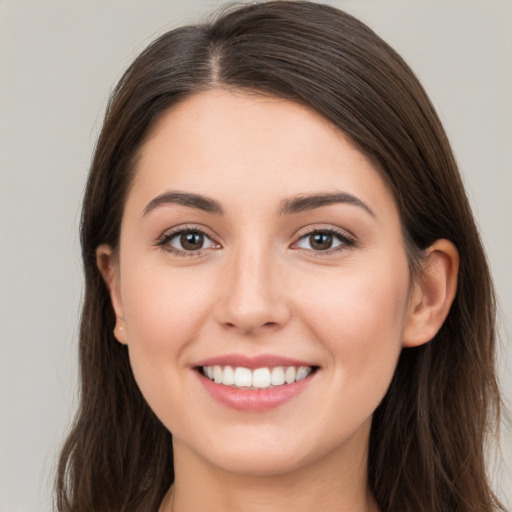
{"x":258,"y":286}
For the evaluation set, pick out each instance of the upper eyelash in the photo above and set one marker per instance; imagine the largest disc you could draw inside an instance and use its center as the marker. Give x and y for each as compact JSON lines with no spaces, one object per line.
{"x":167,"y":236}
{"x":348,"y":240}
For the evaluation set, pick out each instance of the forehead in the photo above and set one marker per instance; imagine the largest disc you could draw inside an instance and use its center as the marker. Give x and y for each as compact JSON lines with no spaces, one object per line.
{"x":247,"y":147}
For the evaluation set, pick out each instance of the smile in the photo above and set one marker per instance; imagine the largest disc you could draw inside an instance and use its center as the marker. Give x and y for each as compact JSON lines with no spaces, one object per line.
{"x":257,"y":383}
{"x":259,"y":378}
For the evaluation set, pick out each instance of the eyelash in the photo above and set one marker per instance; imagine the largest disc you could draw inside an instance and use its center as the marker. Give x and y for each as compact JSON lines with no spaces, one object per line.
{"x":165,"y":239}
{"x":346,"y":241}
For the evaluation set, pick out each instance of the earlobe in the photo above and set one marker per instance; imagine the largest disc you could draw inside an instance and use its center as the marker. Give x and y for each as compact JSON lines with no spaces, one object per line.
{"x":108,"y":267}
{"x":433,"y":293}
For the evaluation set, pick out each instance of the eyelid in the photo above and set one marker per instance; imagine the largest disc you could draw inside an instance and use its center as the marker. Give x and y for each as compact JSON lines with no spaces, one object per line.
{"x":313,"y":228}
{"x":164,"y":239}
{"x":347,"y":239}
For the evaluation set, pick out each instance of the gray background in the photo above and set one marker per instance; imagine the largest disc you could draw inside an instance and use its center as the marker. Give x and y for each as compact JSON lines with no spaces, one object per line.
{"x":58,"y":63}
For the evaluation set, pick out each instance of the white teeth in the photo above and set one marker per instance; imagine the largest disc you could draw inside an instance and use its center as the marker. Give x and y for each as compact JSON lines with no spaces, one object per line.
{"x":278,"y":376}
{"x":243,"y":377}
{"x":217,"y":374}
{"x":302,"y":372}
{"x":260,"y":378}
{"x":289,"y":375}
{"x":228,"y":379}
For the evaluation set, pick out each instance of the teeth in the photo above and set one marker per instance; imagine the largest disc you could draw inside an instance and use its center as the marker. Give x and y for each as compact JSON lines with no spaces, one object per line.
{"x":289,"y":374}
{"x":302,"y":373}
{"x":260,"y":378}
{"x":278,"y":376}
{"x":243,"y":377}
{"x":228,"y":378}
{"x":217,"y":374}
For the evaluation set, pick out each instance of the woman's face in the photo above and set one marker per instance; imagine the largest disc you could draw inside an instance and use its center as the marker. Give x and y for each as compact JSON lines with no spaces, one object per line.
{"x":256,"y":240}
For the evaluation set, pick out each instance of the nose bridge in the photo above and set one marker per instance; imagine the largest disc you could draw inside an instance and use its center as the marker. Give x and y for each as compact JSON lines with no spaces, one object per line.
{"x":253,"y":298}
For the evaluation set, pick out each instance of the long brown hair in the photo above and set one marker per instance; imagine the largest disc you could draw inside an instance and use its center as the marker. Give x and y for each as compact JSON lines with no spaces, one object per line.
{"x":428,"y":434}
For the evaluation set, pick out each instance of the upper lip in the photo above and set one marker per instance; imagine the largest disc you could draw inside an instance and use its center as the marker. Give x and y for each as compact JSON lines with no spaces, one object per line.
{"x":252,"y":362}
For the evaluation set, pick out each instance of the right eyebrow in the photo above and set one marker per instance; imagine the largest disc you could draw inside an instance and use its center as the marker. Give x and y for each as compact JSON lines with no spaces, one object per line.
{"x":188,"y":199}
{"x":305,"y":202}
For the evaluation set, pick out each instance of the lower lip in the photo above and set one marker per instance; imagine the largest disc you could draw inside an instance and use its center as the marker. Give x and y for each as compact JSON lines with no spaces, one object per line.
{"x":254,"y":399}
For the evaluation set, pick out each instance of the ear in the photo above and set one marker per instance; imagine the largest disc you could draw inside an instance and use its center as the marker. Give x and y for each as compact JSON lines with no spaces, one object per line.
{"x":108,"y":267}
{"x":432,"y":294}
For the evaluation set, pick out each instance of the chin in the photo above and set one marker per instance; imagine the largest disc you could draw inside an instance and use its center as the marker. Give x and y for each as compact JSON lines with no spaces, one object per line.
{"x":256,"y":452}
{"x":258,"y":462}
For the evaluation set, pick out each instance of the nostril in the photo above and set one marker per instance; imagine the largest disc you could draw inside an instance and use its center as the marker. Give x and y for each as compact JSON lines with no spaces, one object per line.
{"x":250,"y":326}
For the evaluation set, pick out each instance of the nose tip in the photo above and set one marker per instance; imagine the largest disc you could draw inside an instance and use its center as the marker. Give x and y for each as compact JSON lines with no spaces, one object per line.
{"x":253,"y":309}
{"x":252,"y":301}
{"x":251,"y":322}
{"x":246,"y":329}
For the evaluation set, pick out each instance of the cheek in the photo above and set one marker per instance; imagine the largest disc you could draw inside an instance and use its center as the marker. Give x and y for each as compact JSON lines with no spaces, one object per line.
{"x":161,"y":306}
{"x":359,"y":317}
{"x":164,"y":311}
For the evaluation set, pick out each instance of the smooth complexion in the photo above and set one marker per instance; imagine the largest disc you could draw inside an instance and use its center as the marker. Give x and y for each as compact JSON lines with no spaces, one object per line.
{"x":222,"y":260}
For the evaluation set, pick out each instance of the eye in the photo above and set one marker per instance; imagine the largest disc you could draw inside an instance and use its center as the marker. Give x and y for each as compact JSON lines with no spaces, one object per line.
{"x":323,"y":240}
{"x":187,"y":242}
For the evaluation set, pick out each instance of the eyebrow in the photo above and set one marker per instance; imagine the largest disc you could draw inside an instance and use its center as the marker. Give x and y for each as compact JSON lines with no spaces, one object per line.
{"x":297,"y":204}
{"x":188,"y":199}
{"x":305,"y":202}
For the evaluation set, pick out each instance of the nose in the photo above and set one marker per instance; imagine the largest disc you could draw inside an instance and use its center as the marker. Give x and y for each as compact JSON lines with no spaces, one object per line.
{"x":253,"y":299}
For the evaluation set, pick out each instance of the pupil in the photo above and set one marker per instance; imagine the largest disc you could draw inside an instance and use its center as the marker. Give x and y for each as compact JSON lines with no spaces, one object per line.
{"x":321,"y":241}
{"x":192,"y":241}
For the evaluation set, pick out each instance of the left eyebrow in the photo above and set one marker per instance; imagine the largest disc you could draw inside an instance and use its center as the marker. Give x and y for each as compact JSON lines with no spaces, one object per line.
{"x":187,"y":199}
{"x":304,"y":202}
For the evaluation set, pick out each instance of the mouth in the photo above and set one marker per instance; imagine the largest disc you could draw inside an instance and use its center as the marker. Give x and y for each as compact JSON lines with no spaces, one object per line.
{"x":255,"y":383}
{"x":240,"y":377}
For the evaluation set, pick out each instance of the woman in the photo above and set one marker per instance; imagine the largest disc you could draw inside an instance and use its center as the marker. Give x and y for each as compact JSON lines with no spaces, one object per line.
{"x":287,"y":302}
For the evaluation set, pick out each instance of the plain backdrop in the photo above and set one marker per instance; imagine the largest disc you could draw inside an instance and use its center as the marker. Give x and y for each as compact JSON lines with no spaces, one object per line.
{"x":58,"y":63}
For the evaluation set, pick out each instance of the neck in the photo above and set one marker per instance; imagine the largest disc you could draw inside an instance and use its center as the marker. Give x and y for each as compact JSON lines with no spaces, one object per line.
{"x":335,"y":482}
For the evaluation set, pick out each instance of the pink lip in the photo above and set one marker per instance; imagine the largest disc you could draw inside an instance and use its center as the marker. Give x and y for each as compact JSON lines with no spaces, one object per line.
{"x":252,"y":362}
{"x":257,"y":400}
{"x":254,"y":399}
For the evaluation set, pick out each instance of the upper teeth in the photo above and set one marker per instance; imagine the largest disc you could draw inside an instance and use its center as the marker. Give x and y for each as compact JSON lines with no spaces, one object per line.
{"x":260,"y":378}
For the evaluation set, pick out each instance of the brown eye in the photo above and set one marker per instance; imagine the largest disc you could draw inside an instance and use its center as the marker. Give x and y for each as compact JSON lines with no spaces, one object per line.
{"x":192,"y":241}
{"x":321,"y":241}
{"x":187,"y":241}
